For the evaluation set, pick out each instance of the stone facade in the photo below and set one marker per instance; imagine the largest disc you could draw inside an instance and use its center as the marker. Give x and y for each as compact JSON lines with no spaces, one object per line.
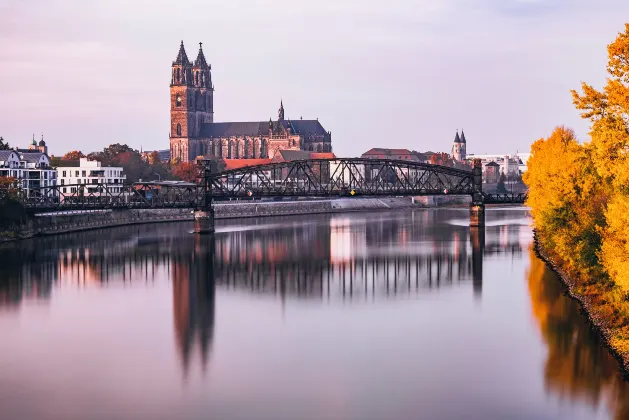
{"x":193,"y":131}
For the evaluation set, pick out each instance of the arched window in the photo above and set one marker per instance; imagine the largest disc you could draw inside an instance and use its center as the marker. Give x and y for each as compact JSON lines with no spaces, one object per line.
{"x":263,"y":149}
{"x":196,"y":78}
{"x":178,"y":75}
{"x":230,"y":145}
{"x":178,"y":100}
{"x":179,"y":129}
{"x":246,"y":153}
{"x":319,"y":148}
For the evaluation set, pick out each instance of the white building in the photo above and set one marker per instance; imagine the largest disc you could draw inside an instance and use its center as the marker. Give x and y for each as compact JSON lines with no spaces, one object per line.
{"x":514,"y":164}
{"x":31,"y":169}
{"x":91,"y":174}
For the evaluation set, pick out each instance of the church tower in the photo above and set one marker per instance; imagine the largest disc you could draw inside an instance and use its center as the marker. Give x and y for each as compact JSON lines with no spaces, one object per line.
{"x":191,"y":103}
{"x":463,"y":148}
{"x":459,"y":148}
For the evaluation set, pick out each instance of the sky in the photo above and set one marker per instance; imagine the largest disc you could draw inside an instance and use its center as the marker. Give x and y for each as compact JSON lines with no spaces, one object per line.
{"x":398,"y":73}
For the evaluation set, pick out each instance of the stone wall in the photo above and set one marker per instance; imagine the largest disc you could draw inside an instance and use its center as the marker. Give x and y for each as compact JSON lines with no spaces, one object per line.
{"x":72,"y":222}
{"x":75,"y":221}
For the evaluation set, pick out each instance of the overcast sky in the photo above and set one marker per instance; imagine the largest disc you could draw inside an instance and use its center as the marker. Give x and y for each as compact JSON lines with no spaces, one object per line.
{"x":396,"y":73}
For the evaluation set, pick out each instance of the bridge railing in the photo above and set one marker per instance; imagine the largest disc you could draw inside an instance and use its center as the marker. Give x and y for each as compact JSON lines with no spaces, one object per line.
{"x":96,"y":196}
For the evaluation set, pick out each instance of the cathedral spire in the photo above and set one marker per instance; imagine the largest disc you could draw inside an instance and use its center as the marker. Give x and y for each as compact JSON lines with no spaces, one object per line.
{"x":463,"y":137}
{"x":182,"y":57}
{"x":280,"y":112}
{"x":457,"y":139}
{"x":200,"y":61}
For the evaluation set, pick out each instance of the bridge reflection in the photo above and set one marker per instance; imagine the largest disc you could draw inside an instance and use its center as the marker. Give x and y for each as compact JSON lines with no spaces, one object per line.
{"x":336,"y":259}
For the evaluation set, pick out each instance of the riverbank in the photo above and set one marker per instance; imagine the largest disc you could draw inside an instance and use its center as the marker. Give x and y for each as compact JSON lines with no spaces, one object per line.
{"x":74,"y":221}
{"x":598,"y":306}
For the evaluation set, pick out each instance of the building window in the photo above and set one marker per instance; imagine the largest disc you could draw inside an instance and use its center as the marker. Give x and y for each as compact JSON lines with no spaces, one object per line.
{"x":83,"y":173}
{"x":64,"y":174}
{"x":64,"y":189}
{"x":179,"y":129}
{"x":178,"y":100}
{"x":263,"y":149}
{"x":63,"y":181}
{"x":77,"y":174}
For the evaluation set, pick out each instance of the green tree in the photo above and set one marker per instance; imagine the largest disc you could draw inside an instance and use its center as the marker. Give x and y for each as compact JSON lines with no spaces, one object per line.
{"x":4,"y":145}
{"x":501,"y":188}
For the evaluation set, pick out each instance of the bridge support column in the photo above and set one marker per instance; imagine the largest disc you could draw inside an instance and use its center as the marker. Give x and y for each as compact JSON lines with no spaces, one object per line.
{"x":204,"y":217}
{"x":477,"y":215}
{"x":204,"y":221}
{"x":477,"y":209}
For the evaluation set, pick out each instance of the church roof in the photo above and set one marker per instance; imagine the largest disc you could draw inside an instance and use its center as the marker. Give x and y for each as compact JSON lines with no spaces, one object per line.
{"x":289,"y":155}
{"x":322,"y":155}
{"x":182,"y":57}
{"x":463,"y":137}
{"x":312,"y":127}
{"x":243,"y":163}
{"x":260,"y":128}
{"x":200,"y":61}
{"x":457,"y":139}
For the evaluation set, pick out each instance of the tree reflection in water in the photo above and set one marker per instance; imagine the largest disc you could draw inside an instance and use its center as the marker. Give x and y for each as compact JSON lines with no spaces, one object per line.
{"x":578,"y":367}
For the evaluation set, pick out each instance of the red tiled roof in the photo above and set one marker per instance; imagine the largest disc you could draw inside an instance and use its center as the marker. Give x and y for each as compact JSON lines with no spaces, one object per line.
{"x":326,"y":155}
{"x":243,"y":163}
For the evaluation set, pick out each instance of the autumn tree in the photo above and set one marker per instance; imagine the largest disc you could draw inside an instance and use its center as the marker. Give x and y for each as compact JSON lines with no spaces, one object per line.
{"x":608,"y":111}
{"x":73,"y":155}
{"x":186,"y":171}
{"x":566,"y":199}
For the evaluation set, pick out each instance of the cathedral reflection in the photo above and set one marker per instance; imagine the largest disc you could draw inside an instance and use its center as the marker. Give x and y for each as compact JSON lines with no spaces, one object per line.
{"x":339,"y":258}
{"x":193,"y":300}
{"x":577,"y":367}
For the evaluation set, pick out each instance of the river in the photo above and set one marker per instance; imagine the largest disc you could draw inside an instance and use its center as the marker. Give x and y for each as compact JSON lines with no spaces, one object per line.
{"x":399,"y":315}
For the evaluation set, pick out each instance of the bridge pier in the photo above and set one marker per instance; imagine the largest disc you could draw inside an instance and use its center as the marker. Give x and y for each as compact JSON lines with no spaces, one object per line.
{"x":477,"y":215}
{"x":204,"y":221}
{"x":477,"y":209}
{"x":204,"y":217}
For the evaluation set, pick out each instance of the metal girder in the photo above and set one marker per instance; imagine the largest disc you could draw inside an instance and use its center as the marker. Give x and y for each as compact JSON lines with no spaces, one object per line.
{"x":300,"y":178}
{"x":339,"y":177}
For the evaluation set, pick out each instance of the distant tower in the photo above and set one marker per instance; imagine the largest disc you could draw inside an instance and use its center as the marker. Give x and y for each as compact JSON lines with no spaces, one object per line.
{"x":459,"y":147}
{"x":191,"y":103}
{"x":463,"y":146}
{"x":280,"y":112}
{"x":33,"y":145}
{"x":42,"y":145}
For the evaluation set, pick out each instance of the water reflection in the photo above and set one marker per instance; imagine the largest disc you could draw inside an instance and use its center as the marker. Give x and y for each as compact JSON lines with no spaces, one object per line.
{"x":341,"y":259}
{"x":578,"y":367}
{"x":193,"y":301}
{"x":412,"y":306}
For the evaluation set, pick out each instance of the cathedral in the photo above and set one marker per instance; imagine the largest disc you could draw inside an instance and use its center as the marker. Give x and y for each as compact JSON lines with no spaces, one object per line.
{"x":193,"y":131}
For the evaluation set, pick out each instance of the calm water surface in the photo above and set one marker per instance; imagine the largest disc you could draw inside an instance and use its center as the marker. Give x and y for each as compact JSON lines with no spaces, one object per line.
{"x":405,"y":315}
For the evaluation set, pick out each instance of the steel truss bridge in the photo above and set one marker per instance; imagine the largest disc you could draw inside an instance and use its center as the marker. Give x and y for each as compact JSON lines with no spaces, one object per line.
{"x":302,"y":178}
